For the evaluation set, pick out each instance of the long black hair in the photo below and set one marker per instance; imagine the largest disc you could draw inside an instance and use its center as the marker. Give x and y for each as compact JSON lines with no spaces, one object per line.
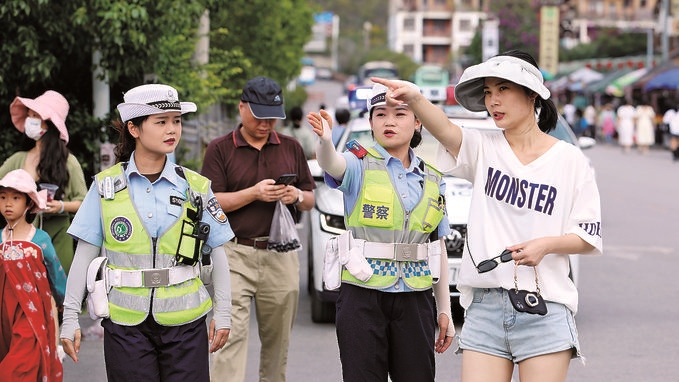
{"x":53,"y":159}
{"x":548,"y":111}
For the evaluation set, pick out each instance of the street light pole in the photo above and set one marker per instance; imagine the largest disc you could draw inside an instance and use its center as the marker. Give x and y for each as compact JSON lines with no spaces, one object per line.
{"x":335,"y":38}
{"x":664,"y":31}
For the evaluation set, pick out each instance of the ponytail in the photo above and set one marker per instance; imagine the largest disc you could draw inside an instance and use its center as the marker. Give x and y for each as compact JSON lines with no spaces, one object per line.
{"x":128,"y":143}
{"x":548,"y":114}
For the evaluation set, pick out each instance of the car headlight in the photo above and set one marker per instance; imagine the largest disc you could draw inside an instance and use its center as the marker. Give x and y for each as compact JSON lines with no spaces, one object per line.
{"x":332,"y":223}
{"x":456,"y":239}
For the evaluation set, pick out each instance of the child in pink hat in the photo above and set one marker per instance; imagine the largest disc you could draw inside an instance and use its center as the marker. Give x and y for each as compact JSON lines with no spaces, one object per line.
{"x":30,"y":275}
{"x":48,"y":161}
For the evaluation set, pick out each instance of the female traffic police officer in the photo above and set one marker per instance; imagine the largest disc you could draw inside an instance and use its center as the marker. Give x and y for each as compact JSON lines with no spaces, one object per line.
{"x":393,"y":250}
{"x":152,"y":220}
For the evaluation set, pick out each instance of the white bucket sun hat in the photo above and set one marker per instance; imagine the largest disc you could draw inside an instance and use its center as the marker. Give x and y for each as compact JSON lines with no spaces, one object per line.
{"x":469,"y":90}
{"x":152,"y":99}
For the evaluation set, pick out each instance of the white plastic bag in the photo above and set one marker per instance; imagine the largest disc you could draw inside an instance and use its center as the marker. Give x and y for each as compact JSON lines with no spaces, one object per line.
{"x":283,"y":236}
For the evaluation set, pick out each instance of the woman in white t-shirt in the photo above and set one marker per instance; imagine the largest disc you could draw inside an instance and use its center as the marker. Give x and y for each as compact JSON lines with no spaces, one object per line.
{"x":535,"y":201}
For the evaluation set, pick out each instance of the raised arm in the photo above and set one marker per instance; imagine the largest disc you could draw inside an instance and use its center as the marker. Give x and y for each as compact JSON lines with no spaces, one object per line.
{"x":328,"y":158}
{"x":431,"y":116}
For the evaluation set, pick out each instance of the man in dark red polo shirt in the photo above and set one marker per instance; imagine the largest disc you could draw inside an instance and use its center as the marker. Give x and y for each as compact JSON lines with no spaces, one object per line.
{"x":243,"y":166}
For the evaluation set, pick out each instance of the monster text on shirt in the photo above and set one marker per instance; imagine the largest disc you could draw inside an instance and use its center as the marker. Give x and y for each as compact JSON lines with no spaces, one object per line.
{"x":520,"y":192}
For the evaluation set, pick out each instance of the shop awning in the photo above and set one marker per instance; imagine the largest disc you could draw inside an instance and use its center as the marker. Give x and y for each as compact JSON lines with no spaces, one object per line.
{"x":668,"y":79}
{"x":600,"y":85}
{"x":617,"y":87}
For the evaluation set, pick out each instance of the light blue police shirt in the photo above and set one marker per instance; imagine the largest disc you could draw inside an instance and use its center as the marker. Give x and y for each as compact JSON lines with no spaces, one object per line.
{"x":409,"y":185}
{"x":157,"y":205}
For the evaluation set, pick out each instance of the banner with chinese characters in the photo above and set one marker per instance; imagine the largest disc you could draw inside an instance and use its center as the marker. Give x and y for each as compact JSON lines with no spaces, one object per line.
{"x":549,"y":39}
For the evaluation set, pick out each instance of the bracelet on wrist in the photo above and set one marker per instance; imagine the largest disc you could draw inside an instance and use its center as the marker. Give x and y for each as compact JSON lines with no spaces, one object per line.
{"x":62,"y":207}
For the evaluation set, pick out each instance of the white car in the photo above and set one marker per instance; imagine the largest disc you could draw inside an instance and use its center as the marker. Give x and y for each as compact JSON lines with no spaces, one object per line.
{"x":326,"y":219}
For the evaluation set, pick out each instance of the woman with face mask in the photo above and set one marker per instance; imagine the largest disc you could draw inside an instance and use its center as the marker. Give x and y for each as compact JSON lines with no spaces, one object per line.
{"x":47,"y":159}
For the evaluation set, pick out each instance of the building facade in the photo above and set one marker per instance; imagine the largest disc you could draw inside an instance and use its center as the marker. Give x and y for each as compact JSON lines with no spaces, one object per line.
{"x":438,"y":31}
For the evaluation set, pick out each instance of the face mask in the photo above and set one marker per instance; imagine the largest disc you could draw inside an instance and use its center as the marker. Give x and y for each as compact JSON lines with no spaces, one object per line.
{"x":33,"y":128}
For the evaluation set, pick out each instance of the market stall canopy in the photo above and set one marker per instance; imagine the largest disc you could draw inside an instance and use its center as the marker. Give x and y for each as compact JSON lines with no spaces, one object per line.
{"x":600,"y":85}
{"x":617,"y":87}
{"x":672,"y":63}
{"x":575,"y":80}
{"x":668,"y":79}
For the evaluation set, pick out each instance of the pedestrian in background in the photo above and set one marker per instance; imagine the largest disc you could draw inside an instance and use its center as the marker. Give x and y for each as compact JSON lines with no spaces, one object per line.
{"x":243,"y":166}
{"x":342,"y":116}
{"x":156,"y":224}
{"x":30,"y":275}
{"x":590,"y":120}
{"x":300,"y":132}
{"x":393,"y":204}
{"x":607,"y":119}
{"x":47,"y":159}
{"x":645,"y":127}
{"x":514,"y":285}
{"x":671,"y":118}
{"x":626,"y":115}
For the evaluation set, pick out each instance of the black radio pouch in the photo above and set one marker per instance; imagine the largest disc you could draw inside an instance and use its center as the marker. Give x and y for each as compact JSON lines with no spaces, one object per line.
{"x":194,"y":233}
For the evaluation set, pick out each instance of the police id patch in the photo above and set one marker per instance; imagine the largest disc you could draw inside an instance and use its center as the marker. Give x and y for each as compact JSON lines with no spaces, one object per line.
{"x":176,"y":200}
{"x":215,"y":210}
{"x":121,"y":228}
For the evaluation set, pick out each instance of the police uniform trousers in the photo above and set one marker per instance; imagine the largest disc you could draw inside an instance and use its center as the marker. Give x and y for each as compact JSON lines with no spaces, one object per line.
{"x":271,"y":280}
{"x":153,"y":352}
{"x":382,"y":333}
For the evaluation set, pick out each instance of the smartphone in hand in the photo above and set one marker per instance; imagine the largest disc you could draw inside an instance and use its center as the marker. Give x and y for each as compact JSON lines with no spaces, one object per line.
{"x":286,"y":179}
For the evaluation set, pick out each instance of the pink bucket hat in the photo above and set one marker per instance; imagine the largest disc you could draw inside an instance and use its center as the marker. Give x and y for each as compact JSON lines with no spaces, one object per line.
{"x":50,"y":105}
{"x":22,"y":181}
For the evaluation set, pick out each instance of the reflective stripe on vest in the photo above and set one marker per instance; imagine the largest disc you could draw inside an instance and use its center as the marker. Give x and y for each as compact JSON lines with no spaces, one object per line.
{"x":127,"y":245}
{"x":379,"y":216}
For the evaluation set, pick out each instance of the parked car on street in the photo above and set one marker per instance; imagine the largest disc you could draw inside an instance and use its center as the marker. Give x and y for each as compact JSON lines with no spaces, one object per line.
{"x":326,"y":219}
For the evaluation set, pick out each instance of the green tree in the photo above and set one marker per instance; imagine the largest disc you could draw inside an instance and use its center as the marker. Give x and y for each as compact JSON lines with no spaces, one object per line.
{"x":519,"y":29}
{"x":608,"y":42}
{"x":49,"y":45}
{"x":270,"y":34}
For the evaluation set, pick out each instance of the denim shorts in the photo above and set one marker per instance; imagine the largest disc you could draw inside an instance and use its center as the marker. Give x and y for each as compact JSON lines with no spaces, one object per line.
{"x":492,"y":326}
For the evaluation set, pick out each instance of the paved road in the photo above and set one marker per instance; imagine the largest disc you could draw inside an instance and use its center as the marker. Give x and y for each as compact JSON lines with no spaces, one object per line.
{"x":628,"y":311}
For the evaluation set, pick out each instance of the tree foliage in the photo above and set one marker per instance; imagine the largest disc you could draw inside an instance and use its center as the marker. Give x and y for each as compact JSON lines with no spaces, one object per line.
{"x":49,"y":45}
{"x":519,"y":25}
{"x":519,"y":29}
{"x":608,"y":42}
{"x":271,"y":34}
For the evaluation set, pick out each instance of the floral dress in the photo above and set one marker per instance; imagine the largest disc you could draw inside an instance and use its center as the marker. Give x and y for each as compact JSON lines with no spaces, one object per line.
{"x":28,"y":330}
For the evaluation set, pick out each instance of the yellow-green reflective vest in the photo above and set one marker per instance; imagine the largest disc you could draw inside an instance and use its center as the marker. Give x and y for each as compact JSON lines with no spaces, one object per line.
{"x":379,"y":216}
{"x":128,"y":246}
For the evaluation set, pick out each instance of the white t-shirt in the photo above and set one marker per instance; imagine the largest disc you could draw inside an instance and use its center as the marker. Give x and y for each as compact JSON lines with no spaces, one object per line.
{"x":671,"y":118}
{"x":554,"y":195}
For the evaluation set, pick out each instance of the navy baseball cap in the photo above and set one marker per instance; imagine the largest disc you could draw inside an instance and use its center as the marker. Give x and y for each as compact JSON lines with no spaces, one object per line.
{"x":265,"y":98}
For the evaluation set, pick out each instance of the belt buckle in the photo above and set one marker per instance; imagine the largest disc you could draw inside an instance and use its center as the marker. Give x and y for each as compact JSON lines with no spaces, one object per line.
{"x":255,"y":241}
{"x":151,"y":278}
{"x":405,"y":252}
